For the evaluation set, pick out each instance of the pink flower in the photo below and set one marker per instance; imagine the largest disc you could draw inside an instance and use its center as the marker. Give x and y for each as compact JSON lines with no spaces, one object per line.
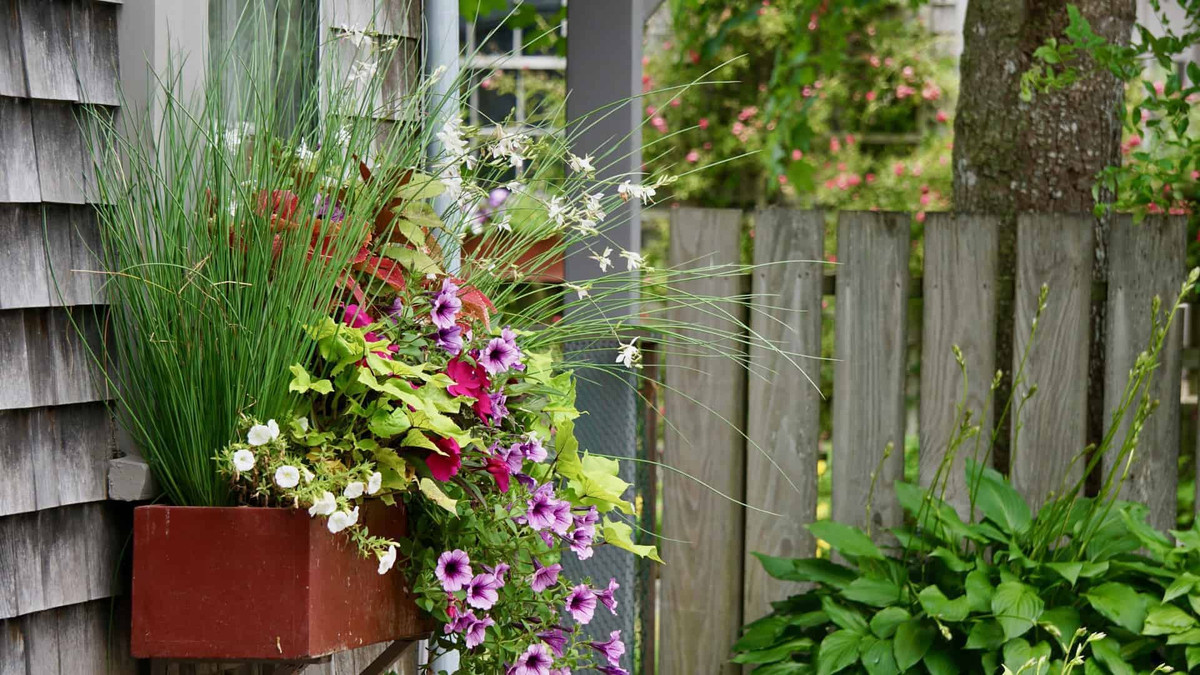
{"x":356,"y":317}
{"x":870,"y":95}
{"x":1196,"y":175}
{"x":812,"y":22}
{"x":850,"y":139}
{"x":500,"y":471}
{"x":1160,"y":87}
{"x":870,"y":178}
{"x":738,"y":128}
{"x":898,"y":169}
{"x":693,"y":56}
{"x":931,"y":92}
{"x":444,"y":467}
{"x":797,"y":155}
{"x":782,"y":179}
{"x":472,"y":382}
{"x":675,"y":103}
{"x":581,"y":603}
{"x":702,"y":123}
{"x":874,"y":61}
{"x":650,"y":111}
{"x":693,"y":156}
{"x":835,"y":146}
{"x":659,"y":124}
{"x":904,"y":91}
{"x":907,"y":72}
{"x":920,"y":216}
{"x":942,"y":116}
{"x":747,"y":113}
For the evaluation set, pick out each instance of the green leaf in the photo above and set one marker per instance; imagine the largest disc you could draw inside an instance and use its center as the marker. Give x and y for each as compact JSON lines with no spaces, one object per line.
{"x":848,"y":541}
{"x":842,"y":616}
{"x":761,"y":634}
{"x":951,"y":559}
{"x":936,"y":604}
{"x":1018,"y":653}
{"x":1065,"y":620}
{"x":885,"y":621}
{"x":1181,"y":586}
{"x":431,"y":490}
{"x":838,"y":650}
{"x":1108,"y":652}
{"x":1187,"y":637}
{"x":1193,"y":657}
{"x":388,"y":424}
{"x":998,"y":501}
{"x":619,"y":534}
{"x":986,"y":634}
{"x":1017,"y":608}
{"x":813,"y":570}
{"x":415,"y":439}
{"x":600,"y":484}
{"x":775,"y":653}
{"x":979,"y":591}
{"x":912,"y":641}
{"x":302,"y":382}
{"x":1167,"y":619}
{"x":877,"y":656}
{"x":940,"y":663}
{"x":1067,"y":570}
{"x":1120,"y":604}
{"x":872,"y":591}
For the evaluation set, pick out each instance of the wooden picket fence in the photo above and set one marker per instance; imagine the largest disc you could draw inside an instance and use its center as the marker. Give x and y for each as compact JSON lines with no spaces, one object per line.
{"x":711,"y":584}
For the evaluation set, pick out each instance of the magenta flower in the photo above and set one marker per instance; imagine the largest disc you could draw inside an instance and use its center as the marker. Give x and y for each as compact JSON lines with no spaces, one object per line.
{"x":611,"y":670}
{"x":481,"y":591}
{"x":581,"y":540}
{"x":581,"y":603}
{"x":355,"y":316}
{"x":611,"y":649}
{"x":499,"y":406}
{"x":555,"y":639}
{"x":499,"y":355}
{"x":445,"y":305}
{"x":450,"y":339}
{"x":544,"y":577}
{"x":476,"y":631}
{"x":535,"y":661}
{"x":444,"y":467}
{"x":606,"y":596}
{"x":453,"y":570}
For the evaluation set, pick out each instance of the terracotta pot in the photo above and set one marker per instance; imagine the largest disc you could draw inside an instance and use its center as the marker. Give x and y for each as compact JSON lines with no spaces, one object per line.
{"x":551,"y":270}
{"x":246,"y":583}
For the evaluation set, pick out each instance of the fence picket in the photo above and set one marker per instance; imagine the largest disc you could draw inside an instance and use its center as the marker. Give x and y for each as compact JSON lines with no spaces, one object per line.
{"x":959,"y":309}
{"x":1050,"y":429}
{"x":704,"y":398}
{"x":868,"y":394}
{"x":784,"y":406}
{"x":1145,"y":260}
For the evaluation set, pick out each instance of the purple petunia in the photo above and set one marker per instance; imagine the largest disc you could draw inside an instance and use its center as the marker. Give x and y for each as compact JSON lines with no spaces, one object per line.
{"x":481,"y":591}
{"x":498,"y":572}
{"x":323,"y":206}
{"x":589,"y":517}
{"x":396,"y":310}
{"x":453,"y":570}
{"x":581,"y":540}
{"x":450,"y":339}
{"x":531,"y":448}
{"x":446,"y":305}
{"x":499,"y":355}
{"x":562,"y":671}
{"x":611,"y":649}
{"x":607,"y":598}
{"x":476,"y":631}
{"x":612,"y":670}
{"x":581,"y":603}
{"x":534,"y":661}
{"x":499,"y":406}
{"x":544,"y":577}
{"x":555,"y":639}
{"x":542,"y":508}
{"x":562,"y":518}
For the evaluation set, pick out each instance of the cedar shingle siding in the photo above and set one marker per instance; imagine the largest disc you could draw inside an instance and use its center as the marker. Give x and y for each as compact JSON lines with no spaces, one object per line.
{"x":60,"y":541}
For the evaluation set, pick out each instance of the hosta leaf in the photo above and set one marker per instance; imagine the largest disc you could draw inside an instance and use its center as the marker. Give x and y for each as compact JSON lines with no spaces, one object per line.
{"x":940,"y":663}
{"x":760,"y":634}
{"x":1018,"y":653}
{"x":1065,"y":620}
{"x":912,"y":641}
{"x":775,"y":653}
{"x":1120,"y":604}
{"x":936,"y":604}
{"x":1167,"y":619}
{"x":876,"y":656}
{"x":951,"y":559}
{"x":986,"y":634}
{"x":1180,"y":586}
{"x":1067,"y":570}
{"x":838,"y":650}
{"x":1193,"y":657}
{"x":885,"y":621}
{"x":998,"y":501}
{"x":844,"y":617}
{"x":872,"y":591}
{"x":1108,"y":652}
{"x":814,"y":570}
{"x":1187,"y":637}
{"x":1017,"y":607}
{"x":979,"y":591}
{"x":848,"y":541}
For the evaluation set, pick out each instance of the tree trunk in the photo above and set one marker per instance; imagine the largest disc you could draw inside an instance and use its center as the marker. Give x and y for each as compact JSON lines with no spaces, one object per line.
{"x":1013,"y":157}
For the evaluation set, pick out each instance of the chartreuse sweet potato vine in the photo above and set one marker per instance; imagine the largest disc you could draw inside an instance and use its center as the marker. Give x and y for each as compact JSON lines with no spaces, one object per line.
{"x":1085,"y":584}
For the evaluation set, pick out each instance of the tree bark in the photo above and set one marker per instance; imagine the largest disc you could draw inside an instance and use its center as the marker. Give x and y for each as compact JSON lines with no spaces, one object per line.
{"x":1013,"y":157}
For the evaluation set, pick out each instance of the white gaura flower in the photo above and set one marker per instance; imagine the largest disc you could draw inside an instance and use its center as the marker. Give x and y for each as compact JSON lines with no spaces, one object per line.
{"x":387,"y":560}
{"x":303,"y":424}
{"x":303,"y":153}
{"x":586,"y":228}
{"x":287,"y":476}
{"x":343,"y":136}
{"x":357,"y":36}
{"x":505,"y":222}
{"x":323,"y":505}
{"x":603,"y":259}
{"x":354,"y":490}
{"x":581,"y":291}
{"x":628,"y":190}
{"x":628,"y":354}
{"x":233,"y":209}
{"x":362,"y":71}
{"x":308,"y":475}
{"x":374,"y":483}
{"x":592,"y":206}
{"x":243,"y":460}
{"x":633,"y":260}
{"x":557,"y":211}
{"x":261,"y":434}
{"x":510,"y":147}
{"x":451,"y":137}
{"x":580,"y":164}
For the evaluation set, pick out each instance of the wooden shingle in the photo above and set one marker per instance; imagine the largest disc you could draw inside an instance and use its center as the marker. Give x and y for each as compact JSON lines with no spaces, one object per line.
{"x":94,"y":40}
{"x":43,"y":361}
{"x":18,"y":157}
{"x":53,"y":457}
{"x":23,"y":270}
{"x":59,"y":152}
{"x":46,"y":42}
{"x":46,"y":255}
{"x":80,"y":639}
{"x":12,"y":59}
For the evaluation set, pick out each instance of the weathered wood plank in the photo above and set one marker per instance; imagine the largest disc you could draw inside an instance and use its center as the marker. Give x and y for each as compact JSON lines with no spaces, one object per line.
{"x":94,"y":40}
{"x":60,"y":156}
{"x":12,"y":59}
{"x":53,"y":457}
{"x":401,"y":18}
{"x":959,"y":310}
{"x":784,"y":404}
{"x":59,"y":557}
{"x":704,"y":398}
{"x":400,"y":79}
{"x":68,"y":236}
{"x":1145,"y":260}
{"x":24,"y":281}
{"x":18,"y":154}
{"x":870,"y":345}
{"x":46,"y":40}
{"x":84,"y":639}
{"x":1049,"y":430}
{"x":43,"y":362}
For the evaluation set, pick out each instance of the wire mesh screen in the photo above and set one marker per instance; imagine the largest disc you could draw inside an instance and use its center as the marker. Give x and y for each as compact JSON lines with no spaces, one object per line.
{"x":609,"y":426}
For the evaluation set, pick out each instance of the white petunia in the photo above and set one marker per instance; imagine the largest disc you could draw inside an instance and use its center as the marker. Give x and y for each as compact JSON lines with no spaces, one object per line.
{"x":603,"y":259}
{"x":633,"y":260}
{"x":308,"y":475}
{"x":354,"y":490}
{"x":340,"y":520}
{"x":628,"y":190}
{"x":374,"y":483}
{"x":387,"y":560}
{"x":628,"y":354}
{"x":323,"y":505}
{"x":580,"y":164}
{"x":581,"y":291}
{"x":243,"y":460}
{"x":261,"y":434}
{"x":303,"y":424}
{"x":287,"y":476}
